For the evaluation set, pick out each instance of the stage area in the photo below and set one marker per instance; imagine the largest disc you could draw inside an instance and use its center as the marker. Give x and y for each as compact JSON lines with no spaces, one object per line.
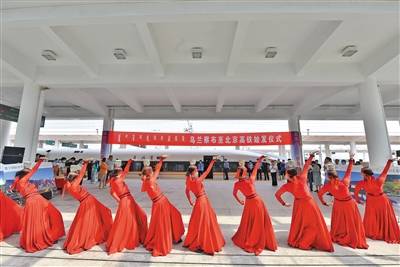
{"x":228,"y":211}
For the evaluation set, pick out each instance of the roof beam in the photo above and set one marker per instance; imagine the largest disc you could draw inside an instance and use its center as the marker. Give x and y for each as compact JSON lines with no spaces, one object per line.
{"x":220,"y":100}
{"x":17,"y":64}
{"x":66,"y":42}
{"x":311,"y":49}
{"x":268,"y":98}
{"x":382,"y":56}
{"x":128,"y":99}
{"x":174,"y":100}
{"x":151,"y":47}
{"x":82,"y":99}
{"x":316,"y":99}
{"x":238,"y":41}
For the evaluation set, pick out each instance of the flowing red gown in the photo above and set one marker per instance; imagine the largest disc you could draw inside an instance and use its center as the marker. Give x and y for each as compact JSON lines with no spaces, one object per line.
{"x":308,"y":229}
{"x":166,"y":225}
{"x":42,"y":223}
{"x":10,"y":216}
{"x":130,"y":223}
{"x":255,"y":232}
{"x":204,"y":233}
{"x":92,"y":222}
{"x":379,"y":218}
{"x":347,"y":228}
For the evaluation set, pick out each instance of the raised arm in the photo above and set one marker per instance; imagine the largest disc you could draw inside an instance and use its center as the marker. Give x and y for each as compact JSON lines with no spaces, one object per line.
{"x":126,"y":170}
{"x":382,"y":177}
{"x":359,"y":187}
{"x":157,"y":169}
{"x":82,"y":172}
{"x":235,"y":191}
{"x":307,"y":166}
{"x":209,"y":168}
{"x":347,"y":175}
{"x":255,"y":169}
{"x":32,"y":172}
{"x":322,"y":192}
{"x":280,"y":192}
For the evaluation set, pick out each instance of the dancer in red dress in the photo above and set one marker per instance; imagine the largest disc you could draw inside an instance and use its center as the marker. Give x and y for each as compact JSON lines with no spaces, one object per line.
{"x":93,"y":220}
{"x":130,"y":224}
{"x":10,"y":216}
{"x":166,"y":225}
{"x":255,"y":232}
{"x":42,"y":223}
{"x":308,"y":229}
{"x":204,"y":233}
{"x":379,"y":218}
{"x":347,"y":228}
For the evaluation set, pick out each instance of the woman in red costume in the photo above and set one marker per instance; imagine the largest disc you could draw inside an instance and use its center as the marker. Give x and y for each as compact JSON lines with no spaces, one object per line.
{"x":379,"y":219}
{"x":10,"y":216}
{"x":130,"y":224}
{"x":255,"y":232}
{"x":204,"y":233}
{"x":166,"y":225}
{"x":92,"y":221}
{"x":308,"y":229}
{"x":346,"y":224}
{"x":42,"y":224}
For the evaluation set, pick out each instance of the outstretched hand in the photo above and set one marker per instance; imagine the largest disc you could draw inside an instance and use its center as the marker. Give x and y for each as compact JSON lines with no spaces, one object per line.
{"x":351,"y":155}
{"x":316,"y":152}
{"x":287,"y":205}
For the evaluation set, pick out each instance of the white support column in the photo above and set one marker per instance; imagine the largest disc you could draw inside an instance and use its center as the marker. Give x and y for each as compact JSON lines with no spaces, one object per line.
{"x":5,"y":127}
{"x":29,"y":118}
{"x":375,"y":126}
{"x":296,"y":148}
{"x":282,"y":151}
{"x":353,"y":147}
{"x":108,"y":125}
{"x":328,"y":152}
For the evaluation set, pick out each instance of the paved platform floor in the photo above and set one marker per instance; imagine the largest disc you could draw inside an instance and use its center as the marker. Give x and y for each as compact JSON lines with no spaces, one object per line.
{"x":228,"y":211}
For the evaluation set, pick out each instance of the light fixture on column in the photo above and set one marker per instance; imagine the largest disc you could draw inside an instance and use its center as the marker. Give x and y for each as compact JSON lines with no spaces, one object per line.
{"x":120,"y":53}
{"x":349,"y":50}
{"x":197,"y":52}
{"x":270,"y":52}
{"x":49,"y":54}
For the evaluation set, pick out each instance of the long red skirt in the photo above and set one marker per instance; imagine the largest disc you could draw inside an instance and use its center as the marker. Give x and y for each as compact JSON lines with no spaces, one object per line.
{"x":42,"y":224}
{"x":308,"y":229}
{"x":380,"y":220}
{"x":129,"y":228}
{"x":10,"y":216}
{"x":346,"y":225}
{"x":91,"y":226}
{"x":204,"y":233}
{"x":255,"y":232}
{"x":166,"y":227}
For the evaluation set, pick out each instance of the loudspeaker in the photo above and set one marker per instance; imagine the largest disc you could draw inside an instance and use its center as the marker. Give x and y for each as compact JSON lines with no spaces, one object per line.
{"x":12,"y":155}
{"x":397,"y":153}
{"x":207,"y":160}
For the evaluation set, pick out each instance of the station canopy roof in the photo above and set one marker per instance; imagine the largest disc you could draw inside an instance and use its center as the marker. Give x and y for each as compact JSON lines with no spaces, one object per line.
{"x":161,"y":77}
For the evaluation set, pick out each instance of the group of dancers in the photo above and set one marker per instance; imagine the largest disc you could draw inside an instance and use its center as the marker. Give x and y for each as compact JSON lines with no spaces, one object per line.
{"x":41,"y":225}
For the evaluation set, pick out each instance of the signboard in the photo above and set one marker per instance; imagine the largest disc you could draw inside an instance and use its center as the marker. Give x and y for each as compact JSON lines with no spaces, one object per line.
{"x":69,"y":144}
{"x":200,"y":139}
{"x":43,"y":178}
{"x":11,"y":114}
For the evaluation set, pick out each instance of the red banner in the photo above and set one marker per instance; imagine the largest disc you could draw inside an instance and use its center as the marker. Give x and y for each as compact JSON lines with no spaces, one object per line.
{"x":200,"y":139}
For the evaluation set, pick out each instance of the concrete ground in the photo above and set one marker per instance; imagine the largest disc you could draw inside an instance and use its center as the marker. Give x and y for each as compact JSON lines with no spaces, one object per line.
{"x":228,"y":211}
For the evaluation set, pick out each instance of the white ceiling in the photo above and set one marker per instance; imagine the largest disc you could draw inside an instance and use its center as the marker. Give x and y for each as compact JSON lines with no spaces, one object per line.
{"x":159,"y":79}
